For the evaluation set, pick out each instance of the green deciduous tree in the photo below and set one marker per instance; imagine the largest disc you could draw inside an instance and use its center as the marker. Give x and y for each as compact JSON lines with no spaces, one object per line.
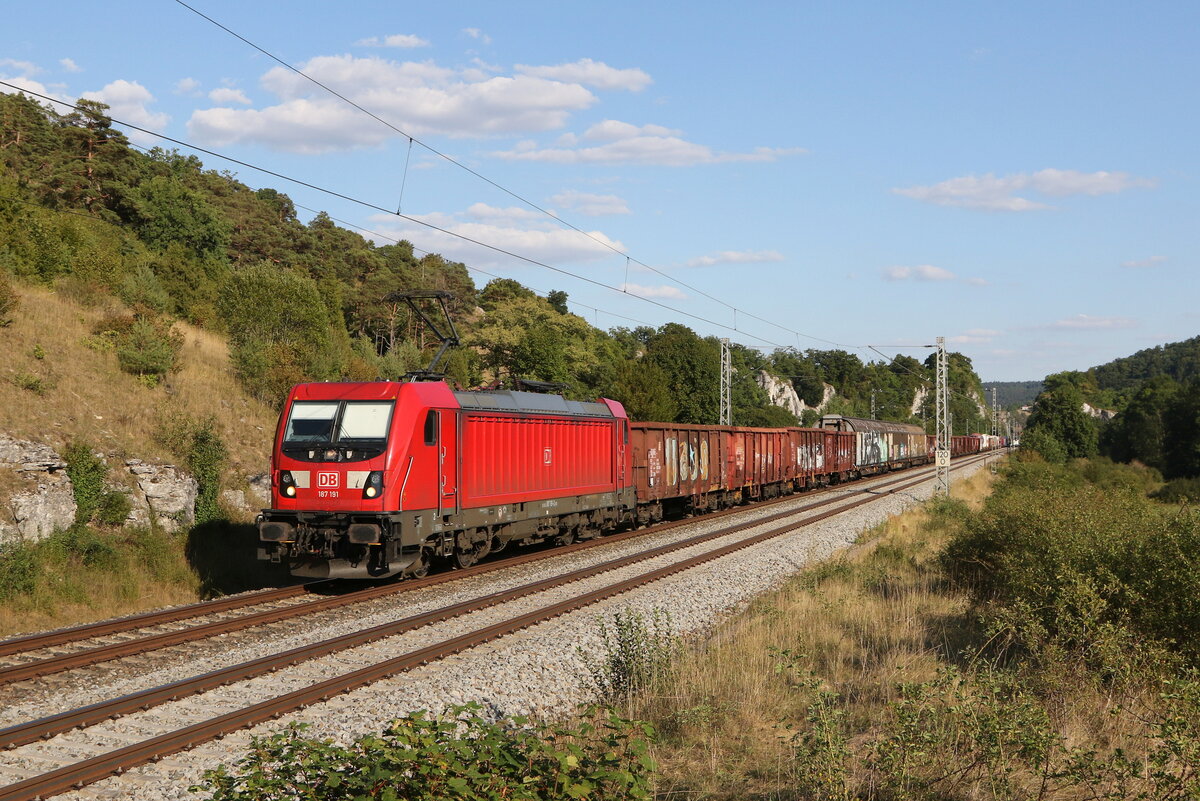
{"x":280,"y":330}
{"x":1058,"y":412}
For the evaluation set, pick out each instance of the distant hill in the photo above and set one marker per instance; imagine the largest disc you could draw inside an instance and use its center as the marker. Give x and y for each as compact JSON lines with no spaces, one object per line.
{"x":1013,"y":393}
{"x":1177,"y":360}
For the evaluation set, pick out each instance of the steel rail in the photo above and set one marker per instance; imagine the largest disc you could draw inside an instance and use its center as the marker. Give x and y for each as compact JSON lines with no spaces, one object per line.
{"x":42,"y":728}
{"x":35,"y":641}
{"x":104,"y":653}
{"x":32,"y":642}
{"x":96,"y":768}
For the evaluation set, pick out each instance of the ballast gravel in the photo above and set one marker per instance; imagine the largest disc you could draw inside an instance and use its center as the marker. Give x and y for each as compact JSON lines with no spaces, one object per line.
{"x":540,"y":672}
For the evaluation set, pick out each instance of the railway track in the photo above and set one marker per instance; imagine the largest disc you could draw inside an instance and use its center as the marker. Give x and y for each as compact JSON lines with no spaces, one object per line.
{"x":91,"y":769}
{"x":42,"y":654}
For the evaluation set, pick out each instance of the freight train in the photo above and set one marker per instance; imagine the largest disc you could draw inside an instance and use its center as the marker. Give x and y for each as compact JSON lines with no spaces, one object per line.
{"x":376,"y":479}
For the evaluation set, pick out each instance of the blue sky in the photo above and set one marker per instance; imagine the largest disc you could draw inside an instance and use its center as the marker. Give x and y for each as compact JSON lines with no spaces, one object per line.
{"x":1020,"y":178}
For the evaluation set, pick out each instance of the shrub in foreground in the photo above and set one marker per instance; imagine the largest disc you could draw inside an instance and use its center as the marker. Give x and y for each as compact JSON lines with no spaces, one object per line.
{"x":1081,"y":551}
{"x":459,"y":755}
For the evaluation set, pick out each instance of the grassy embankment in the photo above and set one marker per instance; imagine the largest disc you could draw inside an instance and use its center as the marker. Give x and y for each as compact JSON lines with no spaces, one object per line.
{"x":59,"y":385}
{"x":989,"y":647}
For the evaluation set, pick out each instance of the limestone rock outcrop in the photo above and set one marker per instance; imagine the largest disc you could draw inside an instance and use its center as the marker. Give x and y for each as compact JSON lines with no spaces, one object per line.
{"x":42,"y":500}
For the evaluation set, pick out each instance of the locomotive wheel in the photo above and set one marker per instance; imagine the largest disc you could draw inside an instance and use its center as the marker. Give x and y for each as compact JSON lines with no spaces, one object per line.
{"x":419,"y":568}
{"x":468,"y":553}
{"x":463,"y":558}
{"x":566,"y":538}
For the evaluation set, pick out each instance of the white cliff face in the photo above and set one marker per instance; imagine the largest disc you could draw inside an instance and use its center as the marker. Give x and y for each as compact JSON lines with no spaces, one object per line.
{"x":1102,"y":414}
{"x":783,"y":394}
{"x":919,"y":400}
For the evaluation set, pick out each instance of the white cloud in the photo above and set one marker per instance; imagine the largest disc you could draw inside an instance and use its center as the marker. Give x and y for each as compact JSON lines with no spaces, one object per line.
{"x":615,"y":130}
{"x":975,"y":336}
{"x":69,"y":65}
{"x":226,"y":95}
{"x":976,"y":281}
{"x":420,"y":98}
{"x":129,"y":101}
{"x":1086,"y":322}
{"x":395,"y":40}
{"x":185,"y":86}
{"x":475,"y":33}
{"x":630,"y":144}
{"x":29,"y":85}
{"x":589,"y":204}
{"x":524,"y":232}
{"x":662,"y":291}
{"x":14,"y":67}
{"x":992,"y":193}
{"x":922,"y":272}
{"x":737,"y":257}
{"x":590,"y":73}
{"x":1138,"y":264}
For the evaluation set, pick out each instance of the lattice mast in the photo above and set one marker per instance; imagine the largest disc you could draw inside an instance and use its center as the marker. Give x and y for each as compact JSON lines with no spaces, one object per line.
{"x":726,"y":385}
{"x":941,"y":484}
{"x":995,"y":415}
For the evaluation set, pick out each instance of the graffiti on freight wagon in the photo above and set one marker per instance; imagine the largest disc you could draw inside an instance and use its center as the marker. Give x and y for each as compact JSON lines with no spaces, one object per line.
{"x":684,"y":461}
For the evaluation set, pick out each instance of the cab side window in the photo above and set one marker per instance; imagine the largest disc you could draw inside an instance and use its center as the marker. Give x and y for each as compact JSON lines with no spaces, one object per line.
{"x":431,"y":427}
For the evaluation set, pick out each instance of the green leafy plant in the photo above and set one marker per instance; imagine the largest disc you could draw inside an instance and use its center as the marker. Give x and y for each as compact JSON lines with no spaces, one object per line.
{"x":9,"y":301}
{"x":87,"y":472}
{"x":30,"y":383}
{"x":636,"y":652}
{"x":458,"y":755}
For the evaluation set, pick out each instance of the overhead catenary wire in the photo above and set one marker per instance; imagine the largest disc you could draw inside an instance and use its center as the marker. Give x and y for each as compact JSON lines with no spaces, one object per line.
{"x":543,"y":294}
{"x":557,"y":218}
{"x":358,"y":201}
{"x":408,"y":218}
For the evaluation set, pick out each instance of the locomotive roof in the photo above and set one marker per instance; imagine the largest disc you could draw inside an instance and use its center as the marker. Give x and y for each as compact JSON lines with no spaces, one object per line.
{"x":865,"y":424}
{"x":513,"y":401}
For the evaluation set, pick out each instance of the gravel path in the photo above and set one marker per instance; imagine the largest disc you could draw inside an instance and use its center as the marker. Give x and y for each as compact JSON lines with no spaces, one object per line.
{"x":540,"y":671}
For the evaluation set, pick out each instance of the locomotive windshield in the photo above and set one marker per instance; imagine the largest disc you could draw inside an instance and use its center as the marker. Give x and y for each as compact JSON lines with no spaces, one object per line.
{"x":337,"y":430}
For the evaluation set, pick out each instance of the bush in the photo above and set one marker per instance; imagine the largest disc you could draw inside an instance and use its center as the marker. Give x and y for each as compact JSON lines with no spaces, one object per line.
{"x":87,"y":473}
{"x":8,"y":301}
{"x":18,"y":570}
{"x":198,"y":445}
{"x":1081,"y":561}
{"x":114,"y":508}
{"x":1180,"y":490}
{"x":145,"y":346}
{"x":458,"y":755}
{"x":636,"y":654}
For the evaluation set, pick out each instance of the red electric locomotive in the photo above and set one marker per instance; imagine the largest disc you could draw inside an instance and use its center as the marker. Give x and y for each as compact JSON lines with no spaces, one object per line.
{"x":374,"y":479}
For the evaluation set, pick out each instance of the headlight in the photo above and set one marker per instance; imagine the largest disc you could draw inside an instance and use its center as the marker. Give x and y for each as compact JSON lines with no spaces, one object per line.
{"x":287,"y":485}
{"x":373,"y":486}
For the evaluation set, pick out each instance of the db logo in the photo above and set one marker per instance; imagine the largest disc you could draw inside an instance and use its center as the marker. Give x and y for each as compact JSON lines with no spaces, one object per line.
{"x":546,"y":456}
{"x":327,"y":480}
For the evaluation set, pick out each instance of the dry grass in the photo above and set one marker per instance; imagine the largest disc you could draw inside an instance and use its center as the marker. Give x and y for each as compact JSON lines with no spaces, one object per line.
{"x":864,"y":622}
{"x":745,"y":714}
{"x":55,"y":389}
{"x":85,"y":396}
{"x":108,"y":596}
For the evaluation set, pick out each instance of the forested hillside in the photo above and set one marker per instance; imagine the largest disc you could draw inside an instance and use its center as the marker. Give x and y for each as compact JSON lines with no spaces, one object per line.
{"x":1014,"y":394}
{"x":85,"y":213}
{"x":1179,"y":361}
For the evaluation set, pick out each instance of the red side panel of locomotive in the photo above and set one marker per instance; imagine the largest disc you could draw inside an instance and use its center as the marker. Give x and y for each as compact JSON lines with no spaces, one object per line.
{"x":513,"y":459}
